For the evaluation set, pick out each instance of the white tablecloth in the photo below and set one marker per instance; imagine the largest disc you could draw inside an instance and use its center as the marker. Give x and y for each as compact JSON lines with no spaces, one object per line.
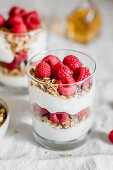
{"x":19,"y":150}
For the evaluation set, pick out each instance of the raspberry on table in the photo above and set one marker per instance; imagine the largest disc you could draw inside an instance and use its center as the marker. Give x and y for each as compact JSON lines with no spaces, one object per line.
{"x":43,"y":70}
{"x":59,"y":117}
{"x":110,"y":136}
{"x":72,"y":62}
{"x":60,"y":71}
{"x":66,"y":86}
{"x":51,"y":60}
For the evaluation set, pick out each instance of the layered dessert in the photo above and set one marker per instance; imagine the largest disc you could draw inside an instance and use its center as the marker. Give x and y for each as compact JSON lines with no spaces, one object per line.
{"x":22,"y":34}
{"x":61,"y":94}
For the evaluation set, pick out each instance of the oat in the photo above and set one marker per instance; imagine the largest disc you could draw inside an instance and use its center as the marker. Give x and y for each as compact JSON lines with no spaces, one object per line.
{"x":16,"y":131}
{"x":3,"y":114}
{"x":0,"y":158}
{"x":62,"y":155}
{"x":102,"y":125}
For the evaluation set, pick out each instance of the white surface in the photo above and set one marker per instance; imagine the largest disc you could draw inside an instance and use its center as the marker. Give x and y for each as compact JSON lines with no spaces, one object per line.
{"x":21,"y":152}
{"x":54,"y":104}
{"x":46,"y":131}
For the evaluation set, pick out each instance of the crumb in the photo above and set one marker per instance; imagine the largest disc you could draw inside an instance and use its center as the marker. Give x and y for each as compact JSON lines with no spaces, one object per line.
{"x":46,"y":152}
{"x":16,"y":131}
{"x":62,"y":155}
{"x":70,"y":154}
{"x":102,"y":125}
{"x":0,"y":158}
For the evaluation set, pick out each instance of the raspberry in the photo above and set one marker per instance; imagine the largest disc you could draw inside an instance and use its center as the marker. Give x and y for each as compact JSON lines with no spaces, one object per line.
{"x":32,"y":20}
{"x":81,"y":73}
{"x":60,"y":71}
{"x":23,"y":12}
{"x":110,"y":136}
{"x":59,"y":117}
{"x":51,"y":60}
{"x":22,"y":56}
{"x":66,"y":86}
{"x":2,"y":20}
{"x":13,"y":20}
{"x":39,"y":110}
{"x":82,"y":112}
{"x":14,"y":11}
{"x":11,"y":66}
{"x":43,"y":70}
{"x":19,"y":28}
{"x":72,"y":62}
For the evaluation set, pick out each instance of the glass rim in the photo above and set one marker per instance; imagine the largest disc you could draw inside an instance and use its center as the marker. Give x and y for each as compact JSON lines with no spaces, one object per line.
{"x":57,"y":49}
{"x":6,"y":107}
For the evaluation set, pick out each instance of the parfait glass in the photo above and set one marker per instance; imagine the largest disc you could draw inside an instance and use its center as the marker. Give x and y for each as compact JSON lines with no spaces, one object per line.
{"x":48,"y":104}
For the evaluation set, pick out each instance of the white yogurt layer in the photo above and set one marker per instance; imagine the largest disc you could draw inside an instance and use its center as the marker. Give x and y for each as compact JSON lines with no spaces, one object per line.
{"x":55,"y":104}
{"x":46,"y":130}
{"x":6,"y":54}
{"x":14,"y":81}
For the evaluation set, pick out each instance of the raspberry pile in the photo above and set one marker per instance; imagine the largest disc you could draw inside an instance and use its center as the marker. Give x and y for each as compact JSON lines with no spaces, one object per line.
{"x":20,"y":21}
{"x":67,"y":73}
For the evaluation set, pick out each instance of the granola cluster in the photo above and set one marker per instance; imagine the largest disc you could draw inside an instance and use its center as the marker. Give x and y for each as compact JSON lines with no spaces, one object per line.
{"x":50,"y":86}
{"x":3,"y":114}
{"x":71,"y":122}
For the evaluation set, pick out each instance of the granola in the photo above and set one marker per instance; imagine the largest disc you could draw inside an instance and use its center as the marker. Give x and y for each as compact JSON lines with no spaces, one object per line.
{"x":3,"y":114}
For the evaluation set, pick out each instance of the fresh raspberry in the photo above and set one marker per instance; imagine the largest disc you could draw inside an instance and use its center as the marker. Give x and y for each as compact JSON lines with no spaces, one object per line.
{"x":11,"y":66}
{"x":59,"y":117}
{"x":14,"y":11}
{"x":22,"y":56}
{"x":2,"y":20}
{"x":23,"y":12}
{"x":81,"y":73}
{"x":32,"y":20}
{"x":72,"y":62}
{"x":40,"y":110}
{"x":19,"y":28}
{"x":60,"y":71}
{"x":110,"y":136}
{"x":13,"y":20}
{"x":66,"y":86}
{"x":51,"y":60}
{"x":43,"y":70}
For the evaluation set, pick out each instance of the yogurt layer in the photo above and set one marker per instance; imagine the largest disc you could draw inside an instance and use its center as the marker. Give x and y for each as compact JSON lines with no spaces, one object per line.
{"x":55,"y":104}
{"x":14,"y":81}
{"x":46,"y":130}
{"x":6,"y":54}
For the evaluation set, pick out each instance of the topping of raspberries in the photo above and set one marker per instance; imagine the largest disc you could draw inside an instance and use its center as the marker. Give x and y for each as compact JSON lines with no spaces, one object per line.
{"x":43,"y":70}
{"x":12,"y":65}
{"x":32,"y":20}
{"x":2,"y":20}
{"x":19,"y":28}
{"x":81,"y":73}
{"x":13,"y":20}
{"x":66,"y":86}
{"x":60,"y":71}
{"x":72,"y":62}
{"x":51,"y":60}
{"x":40,"y":110}
{"x":110,"y":136}
{"x":14,"y":11}
{"x":59,"y":117}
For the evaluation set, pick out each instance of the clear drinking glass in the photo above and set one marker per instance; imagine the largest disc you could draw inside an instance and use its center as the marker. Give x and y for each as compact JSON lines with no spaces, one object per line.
{"x":11,"y":46}
{"x":46,"y":101}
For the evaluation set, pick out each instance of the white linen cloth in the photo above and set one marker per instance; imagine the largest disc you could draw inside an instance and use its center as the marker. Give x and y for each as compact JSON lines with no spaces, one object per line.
{"x":19,"y":150}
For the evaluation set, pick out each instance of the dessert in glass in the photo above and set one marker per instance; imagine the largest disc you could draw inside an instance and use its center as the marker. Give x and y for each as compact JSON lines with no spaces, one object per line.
{"x":22,"y":34}
{"x":61,"y":89}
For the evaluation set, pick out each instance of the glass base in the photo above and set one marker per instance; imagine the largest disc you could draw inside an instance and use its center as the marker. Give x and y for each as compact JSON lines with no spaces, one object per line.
{"x":69,"y":145}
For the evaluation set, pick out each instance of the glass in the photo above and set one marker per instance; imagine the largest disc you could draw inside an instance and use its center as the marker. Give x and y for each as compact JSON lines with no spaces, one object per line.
{"x":47,"y":102}
{"x":13,"y":45}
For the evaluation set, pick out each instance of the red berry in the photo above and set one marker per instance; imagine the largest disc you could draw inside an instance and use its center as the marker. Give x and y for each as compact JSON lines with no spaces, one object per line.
{"x":82,"y":112}
{"x":13,"y":20}
{"x":22,"y":56}
{"x":66,"y":86}
{"x":2,"y":20}
{"x":23,"y":12}
{"x":59,"y":117}
{"x":11,"y":66}
{"x":51,"y":60}
{"x":40,"y":110}
{"x":110,"y":136}
{"x":14,"y":11}
{"x":72,"y":62}
{"x":43,"y":70}
{"x":81,"y":73}
{"x":19,"y":28}
{"x":32,"y":20}
{"x":60,"y":71}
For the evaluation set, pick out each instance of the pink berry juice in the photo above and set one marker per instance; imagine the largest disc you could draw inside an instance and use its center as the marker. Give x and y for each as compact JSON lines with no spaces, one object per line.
{"x":61,"y":89}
